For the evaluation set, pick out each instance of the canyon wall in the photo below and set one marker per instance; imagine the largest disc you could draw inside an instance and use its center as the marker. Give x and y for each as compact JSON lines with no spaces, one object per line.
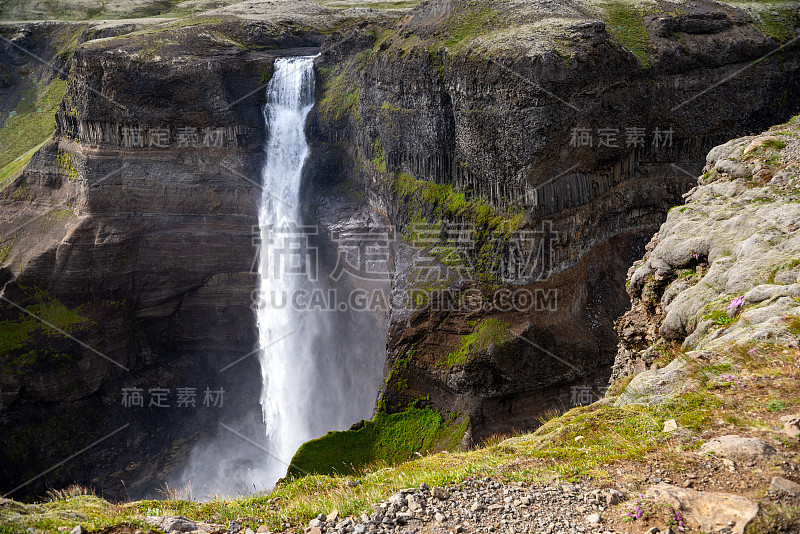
{"x":129,"y":258}
{"x":573,"y":124}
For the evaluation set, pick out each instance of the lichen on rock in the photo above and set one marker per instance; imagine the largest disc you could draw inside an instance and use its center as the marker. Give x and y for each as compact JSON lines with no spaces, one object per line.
{"x":723,"y":269}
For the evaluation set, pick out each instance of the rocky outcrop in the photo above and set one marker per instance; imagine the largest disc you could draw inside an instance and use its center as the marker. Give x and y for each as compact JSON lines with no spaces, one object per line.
{"x":524,"y":118}
{"x":723,"y":269}
{"x":738,"y":448}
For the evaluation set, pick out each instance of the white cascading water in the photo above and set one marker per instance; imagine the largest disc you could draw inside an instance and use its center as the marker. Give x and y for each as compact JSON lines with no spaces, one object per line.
{"x":284,"y":359}
{"x":321,"y":368}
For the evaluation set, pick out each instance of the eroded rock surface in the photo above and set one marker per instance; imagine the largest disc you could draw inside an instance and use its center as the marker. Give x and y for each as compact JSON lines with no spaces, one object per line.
{"x":707,"y":511}
{"x":723,"y":269}
{"x":486,"y":100}
{"x":738,"y":448}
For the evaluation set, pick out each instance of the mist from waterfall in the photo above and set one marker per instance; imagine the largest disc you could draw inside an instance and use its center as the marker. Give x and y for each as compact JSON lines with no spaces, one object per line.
{"x":321,"y":369}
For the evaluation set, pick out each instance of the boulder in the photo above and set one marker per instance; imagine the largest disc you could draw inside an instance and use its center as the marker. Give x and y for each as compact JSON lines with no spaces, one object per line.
{"x":791,"y":426}
{"x":414,"y":505}
{"x":783,"y":485}
{"x":738,"y":448}
{"x":440,"y":493}
{"x":655,"y":386}
{"x":179,"y":523}
{"x":707,"y":511}
{"x":734,"y":169}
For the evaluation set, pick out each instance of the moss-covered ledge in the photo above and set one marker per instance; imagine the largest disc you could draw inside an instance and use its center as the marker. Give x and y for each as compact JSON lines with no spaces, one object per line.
{"x":387,"y":439}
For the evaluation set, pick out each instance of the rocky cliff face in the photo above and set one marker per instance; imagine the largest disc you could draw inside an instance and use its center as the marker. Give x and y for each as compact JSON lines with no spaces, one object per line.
{"x":575,"y":125}
{"x":127,"y":255}
{"x":723,"y":272}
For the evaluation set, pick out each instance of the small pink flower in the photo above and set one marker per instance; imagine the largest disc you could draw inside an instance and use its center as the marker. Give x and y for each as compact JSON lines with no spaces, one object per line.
{"x":736,"y":303}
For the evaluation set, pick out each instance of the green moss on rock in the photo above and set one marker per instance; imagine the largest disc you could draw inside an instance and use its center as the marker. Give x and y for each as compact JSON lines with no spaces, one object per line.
{"x":776,"y":18}
{"x":441,"y":200}
{"x":387,"y":438}
{"x":488,"y":332}
{"x":339,"y":95}
{"x":66,"y":164}
{"x":432,"y":203}
{"x":16,"y":334}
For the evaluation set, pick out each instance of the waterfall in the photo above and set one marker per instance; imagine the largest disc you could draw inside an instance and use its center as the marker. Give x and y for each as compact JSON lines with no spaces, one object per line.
{"x":285,"y":357}
{"x":321,"y":368}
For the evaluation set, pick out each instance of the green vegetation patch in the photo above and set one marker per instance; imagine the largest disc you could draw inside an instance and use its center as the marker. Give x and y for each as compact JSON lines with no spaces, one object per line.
{"x":18,"y":333}
{"x":441,"y":200}
{"x":625,"y":22}
{"x":431,"y":203}
{"x":387,"y":438}
{"x":28,"y":126}
{"x":793,"y":326}
{"x":466,"y":25}
{"x":780,"y":23}
{"x":488,"y":332}
{"x":778,"y":19}
{"x":339,"y":95}
{"x":10,"y":171}
{"x":89,"y":510}
{"x":720,"y":317}
{"x":66,"y":164}
{"x":774,"y":144}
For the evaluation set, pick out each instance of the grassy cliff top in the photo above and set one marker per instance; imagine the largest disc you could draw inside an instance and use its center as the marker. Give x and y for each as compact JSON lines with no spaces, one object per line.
{"x":524,"y":27}
{"x":96,"y":10}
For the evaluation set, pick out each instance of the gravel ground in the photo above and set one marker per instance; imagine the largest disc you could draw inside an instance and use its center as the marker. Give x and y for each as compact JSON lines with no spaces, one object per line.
{"x":484,"y":505}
